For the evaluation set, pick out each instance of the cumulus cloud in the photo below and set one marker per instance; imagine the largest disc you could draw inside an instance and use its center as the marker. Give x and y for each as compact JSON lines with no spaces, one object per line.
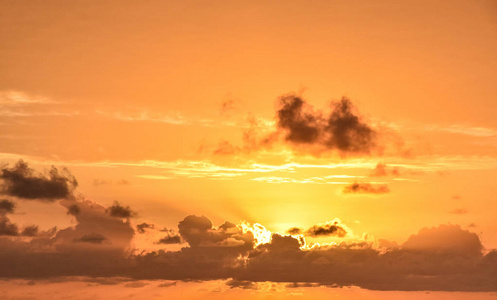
{"x":23,"y":182}
{"x":366,"y":188}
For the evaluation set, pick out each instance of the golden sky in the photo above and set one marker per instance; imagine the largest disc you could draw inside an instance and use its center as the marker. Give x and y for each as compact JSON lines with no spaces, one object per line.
{"x":248,"y":149}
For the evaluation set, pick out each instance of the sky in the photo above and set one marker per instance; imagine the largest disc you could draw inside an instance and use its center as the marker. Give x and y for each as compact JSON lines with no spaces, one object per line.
{"x":248,"y":149}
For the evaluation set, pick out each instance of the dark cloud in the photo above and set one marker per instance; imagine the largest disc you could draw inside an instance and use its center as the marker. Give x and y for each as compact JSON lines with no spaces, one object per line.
{"x":6,"y":206}
{"x":366,"y":188}
{"x":331,"y":228}
{"x":119,"y":211}
{"x":141,"y":228}
{"x":6,"y":227}
{"x":23,"y":182}
{"x":343,"y":129}
{"x":294,"y":231}
{"x":93,"y":238}
{"x":167,"y":284}
{"x":73,"y":210}
{"x":170,"y":239}
{"x":30,"y":231}
{"x":241,"y":284}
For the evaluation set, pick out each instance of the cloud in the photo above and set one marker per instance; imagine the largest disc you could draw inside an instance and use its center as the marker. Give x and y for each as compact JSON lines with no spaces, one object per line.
{"x":6,"y":206}
{"x":7,"y":228}
{"x":366,"y":188}
{"x":343,"y":129}
{"x":382,"y":170}
{"x":119,"y":211}
{"x":441,"y":258}
{"x":30,"y":231}
{"x":100,"y":245}
{"x":459,"y":211}
{"x":170,"y":239}
{"x":93,"y":238}
{"x":330,"y":228}
{"x":23,"y":182}
{"x":141,"y":228}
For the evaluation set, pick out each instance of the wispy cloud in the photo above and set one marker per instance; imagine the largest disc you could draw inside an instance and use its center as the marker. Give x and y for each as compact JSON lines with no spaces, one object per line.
{"x":171,"y":118}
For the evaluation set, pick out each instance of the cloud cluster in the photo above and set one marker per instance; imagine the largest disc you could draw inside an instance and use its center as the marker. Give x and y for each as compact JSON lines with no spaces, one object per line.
{"x":21,"y":181}
{"x":443,"y":258}
{"x":343,"y":129}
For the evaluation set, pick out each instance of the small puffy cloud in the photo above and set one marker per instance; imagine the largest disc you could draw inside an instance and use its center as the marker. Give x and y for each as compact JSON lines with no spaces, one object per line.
{"x":119,"y":211}
{"x":141,"y":228}
{"x":6,"y":206}
{"x":330,"y":228}
{"x":21,"y":181}
{"x":170,"y":239}
{"x":366,"y":188}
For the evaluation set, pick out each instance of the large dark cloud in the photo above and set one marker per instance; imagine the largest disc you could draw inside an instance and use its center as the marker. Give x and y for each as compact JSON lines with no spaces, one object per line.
{"x":343,"y":129}
{"x":23,"y":182}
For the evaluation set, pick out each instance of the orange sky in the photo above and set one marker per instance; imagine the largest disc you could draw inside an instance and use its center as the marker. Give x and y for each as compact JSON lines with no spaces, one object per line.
{"x":177,"y":108}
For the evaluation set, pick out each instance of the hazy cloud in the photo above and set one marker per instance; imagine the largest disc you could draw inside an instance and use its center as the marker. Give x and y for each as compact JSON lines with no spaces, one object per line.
{"x":366,"y":188}
{"x":93,"y":238}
